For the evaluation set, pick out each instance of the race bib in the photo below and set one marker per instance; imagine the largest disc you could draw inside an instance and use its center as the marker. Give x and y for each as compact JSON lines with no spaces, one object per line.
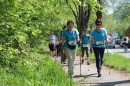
{"x":99,"y":43}
{"x":85,"y":45}
{"x":52,"y":41}
{"x":72,"y":43}
{"x":57,"y":42}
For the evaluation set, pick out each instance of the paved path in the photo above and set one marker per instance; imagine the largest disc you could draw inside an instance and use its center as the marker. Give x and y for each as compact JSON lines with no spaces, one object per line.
{"x":89,"y":77}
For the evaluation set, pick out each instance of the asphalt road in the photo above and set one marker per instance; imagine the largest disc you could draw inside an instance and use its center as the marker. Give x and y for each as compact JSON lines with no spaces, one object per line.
{"x":119,"y":50}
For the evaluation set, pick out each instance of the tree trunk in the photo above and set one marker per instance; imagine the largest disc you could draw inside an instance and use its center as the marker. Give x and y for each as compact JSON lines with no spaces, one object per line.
{"x":99,"y":13}
{"x":87,"y":15}
{"x":79,"y":25}
{"x":81,"y":16}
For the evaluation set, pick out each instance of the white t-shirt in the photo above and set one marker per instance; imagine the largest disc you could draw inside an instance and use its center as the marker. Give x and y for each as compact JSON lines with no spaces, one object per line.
{"x":105,"y":30}
{"x":52,"y":38}
{"x":76,"y":31}
{"x":127,"y":39}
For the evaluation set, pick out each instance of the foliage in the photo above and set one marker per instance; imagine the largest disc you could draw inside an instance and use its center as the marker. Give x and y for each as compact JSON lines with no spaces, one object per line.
{"x":122,"y":10}
{"x":38,"y":70}
{"x":118,"y":21}
{"x":23,"y":26}
{"x":90,"y":10}
{"x":25,"y":23}
{"x":113,"y":25}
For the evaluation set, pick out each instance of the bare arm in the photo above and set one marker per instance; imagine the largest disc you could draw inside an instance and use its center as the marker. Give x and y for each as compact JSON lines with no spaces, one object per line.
{"x":77,"y":37}
{"x":91,"y":41}
{"x":106,"y":39}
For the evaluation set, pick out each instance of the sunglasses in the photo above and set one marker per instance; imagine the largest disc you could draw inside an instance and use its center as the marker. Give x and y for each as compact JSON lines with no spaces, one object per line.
{"x":70,"y":25}
{"x":98,"y":24}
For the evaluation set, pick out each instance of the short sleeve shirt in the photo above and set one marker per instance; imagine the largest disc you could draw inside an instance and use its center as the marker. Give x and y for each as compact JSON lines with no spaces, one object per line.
{"x":127,"y":39}
{"x":85,"y":39}
{"x":69,"y":36}
{"x":77,"y":31}
{"x":99,"y":36}
{"x":52,"y":38}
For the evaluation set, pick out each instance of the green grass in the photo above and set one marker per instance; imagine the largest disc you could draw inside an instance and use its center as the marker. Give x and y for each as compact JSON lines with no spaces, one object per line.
{"x":35,"y":70}
{"x":117,"y":61}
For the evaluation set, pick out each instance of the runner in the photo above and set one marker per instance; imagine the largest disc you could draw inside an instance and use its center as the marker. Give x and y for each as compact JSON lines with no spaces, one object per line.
{"x":52,"y":44}
{"x":85,"y":45}
{"x":125,"y":41}
{"x":98,"y":40}
{"x":70,"y":35}
{"x":63,"y":56}
{"x":57,"y":45}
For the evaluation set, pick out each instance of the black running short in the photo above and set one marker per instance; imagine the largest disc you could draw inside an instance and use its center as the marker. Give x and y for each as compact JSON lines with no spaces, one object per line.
{"x":52,"y":47}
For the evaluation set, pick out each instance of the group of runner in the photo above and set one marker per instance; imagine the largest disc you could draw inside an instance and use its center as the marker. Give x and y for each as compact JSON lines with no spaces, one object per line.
{"x":55,"y":45}
{"x":68,"y":38}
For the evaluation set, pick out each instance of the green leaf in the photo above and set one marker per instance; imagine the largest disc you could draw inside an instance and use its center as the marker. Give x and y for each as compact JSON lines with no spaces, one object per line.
{"x":1,"y":47}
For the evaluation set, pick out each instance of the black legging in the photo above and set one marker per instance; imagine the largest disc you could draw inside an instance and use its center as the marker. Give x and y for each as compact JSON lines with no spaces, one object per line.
{"x":58,"y":49}
{"x":87,"y":51}
{"x":99,"y":53}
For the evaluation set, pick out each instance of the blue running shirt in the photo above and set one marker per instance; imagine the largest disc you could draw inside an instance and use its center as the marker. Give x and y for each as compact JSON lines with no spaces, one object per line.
{"x":69,"y":36}
{"x":85,"y":39}
{"x":52,"y":38}
{"x":99,"y":36}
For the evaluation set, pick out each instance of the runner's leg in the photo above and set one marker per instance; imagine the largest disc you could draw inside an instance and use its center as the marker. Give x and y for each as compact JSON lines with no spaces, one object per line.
{"x":69,"y":53}
{"x":82,"y":49}
{"x":87,"y":54}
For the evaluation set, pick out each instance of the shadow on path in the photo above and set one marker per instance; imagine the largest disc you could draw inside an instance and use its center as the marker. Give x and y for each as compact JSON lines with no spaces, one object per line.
{"x":126,"y":82}
{"x":85,"y":76}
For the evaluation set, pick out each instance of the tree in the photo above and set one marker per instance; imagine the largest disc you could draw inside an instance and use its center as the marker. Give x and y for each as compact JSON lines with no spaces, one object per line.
{"x":89,"y":12}
{"x":24,"y":24}
{"x":99,"y":12}
{"x":122,"y":10}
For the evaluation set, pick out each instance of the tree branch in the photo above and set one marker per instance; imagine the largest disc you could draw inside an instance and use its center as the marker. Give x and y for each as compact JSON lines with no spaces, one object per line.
{"x":75,"y":5}
{"x":72,"y":10}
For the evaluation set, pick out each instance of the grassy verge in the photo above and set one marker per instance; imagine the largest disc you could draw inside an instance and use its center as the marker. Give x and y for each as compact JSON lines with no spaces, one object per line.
{"x":35,"y":70}
{"x":117,"y":61}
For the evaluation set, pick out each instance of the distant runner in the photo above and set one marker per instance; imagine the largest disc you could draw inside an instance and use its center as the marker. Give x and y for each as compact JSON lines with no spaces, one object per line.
{"x":52,"y":44}
{"x":125,"y":41}
{"x":63,"y":56}
{"x":85,"y":45}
